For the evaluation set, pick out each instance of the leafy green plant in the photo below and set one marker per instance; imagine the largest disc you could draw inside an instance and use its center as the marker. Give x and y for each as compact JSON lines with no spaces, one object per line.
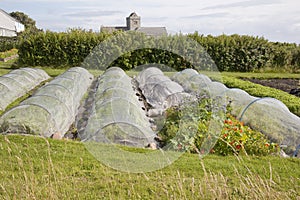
{"x":237,"y":138}
{"x":234,"y":138}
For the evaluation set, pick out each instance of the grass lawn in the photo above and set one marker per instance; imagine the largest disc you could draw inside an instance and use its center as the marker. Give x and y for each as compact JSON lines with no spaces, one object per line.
{"x":37,"y":168}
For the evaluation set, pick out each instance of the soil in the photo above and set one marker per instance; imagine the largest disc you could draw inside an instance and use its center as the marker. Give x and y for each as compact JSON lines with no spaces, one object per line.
{"x":285,"y":85}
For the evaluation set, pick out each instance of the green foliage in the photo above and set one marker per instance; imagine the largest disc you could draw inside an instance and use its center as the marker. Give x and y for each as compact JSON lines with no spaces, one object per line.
{"x":235,"y":138}
{"x":58,"y":49}
{"x":247,"y":53}
{"x":230,"y":53}
{"x":235,"y":52}
{"x":8,"y":43}
{"x":130,"y":50}
{"x":238,"y":138}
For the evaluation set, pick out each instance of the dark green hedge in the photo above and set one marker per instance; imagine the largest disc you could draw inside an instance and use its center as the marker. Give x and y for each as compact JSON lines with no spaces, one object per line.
{"x":247,"y":53}
{"x":58,"y":49}
{"x":8,"y":43}
{"x":230,"y":53}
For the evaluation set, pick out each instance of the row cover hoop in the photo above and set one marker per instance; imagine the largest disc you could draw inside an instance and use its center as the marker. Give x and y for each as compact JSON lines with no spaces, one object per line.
{"x":116,"y":106}
{"x":58,"y":102}
{"x":18,"y":82}
{"x":267,"y":115}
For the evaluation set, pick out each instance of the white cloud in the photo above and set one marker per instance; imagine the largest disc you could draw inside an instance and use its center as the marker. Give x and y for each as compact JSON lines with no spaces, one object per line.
{"x":274,"y":19}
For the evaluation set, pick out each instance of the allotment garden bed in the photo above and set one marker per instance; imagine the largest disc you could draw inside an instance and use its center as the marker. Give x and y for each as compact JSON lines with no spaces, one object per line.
{"x":284,"y":84}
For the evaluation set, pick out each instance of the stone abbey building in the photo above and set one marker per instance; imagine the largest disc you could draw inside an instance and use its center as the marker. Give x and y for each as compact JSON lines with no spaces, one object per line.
{"x":133,"y":23}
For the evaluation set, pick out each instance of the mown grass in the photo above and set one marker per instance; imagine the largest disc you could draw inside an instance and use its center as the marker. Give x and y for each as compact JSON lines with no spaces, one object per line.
{"x":37,"y":168}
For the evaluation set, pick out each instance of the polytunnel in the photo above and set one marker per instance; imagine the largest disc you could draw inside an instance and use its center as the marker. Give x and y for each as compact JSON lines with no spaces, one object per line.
{"x":52,"y":108}
{"x":159,"y":90}
{"x":267,"y":115}
{"x":18,"y":82}
{"x":118,"y":115}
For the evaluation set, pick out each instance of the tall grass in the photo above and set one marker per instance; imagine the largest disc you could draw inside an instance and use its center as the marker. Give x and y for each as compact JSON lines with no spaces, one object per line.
{"x":37,"y":168}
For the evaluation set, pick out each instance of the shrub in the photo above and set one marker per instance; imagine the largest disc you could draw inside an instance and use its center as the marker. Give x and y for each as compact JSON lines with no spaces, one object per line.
{"x":58,"y":49}
{"x":230,"y":53}
{"x":8,"y":43}
{"x":247,"y":53}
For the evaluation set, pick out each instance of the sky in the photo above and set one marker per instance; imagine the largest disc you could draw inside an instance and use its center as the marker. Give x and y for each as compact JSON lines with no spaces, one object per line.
{"x":275,"y":20}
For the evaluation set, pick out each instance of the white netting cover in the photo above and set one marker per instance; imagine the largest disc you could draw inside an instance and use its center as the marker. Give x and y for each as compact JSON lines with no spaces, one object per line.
{"x":118,"y":115}
{"x":159,"y":90}
{"x":266,"y":115}
{"x":198,"y":84}
{"x":274,"y":119}
{"x":53,"y":107}
{"x":18,"y":82}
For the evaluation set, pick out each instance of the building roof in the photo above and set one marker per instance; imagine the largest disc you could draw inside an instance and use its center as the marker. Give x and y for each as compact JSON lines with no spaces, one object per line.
{"x":150,"y":31}
{"x":113,"y":28}
{"x":133,"y":15}
{"x":153,"y":31}
{"x":8,"y":22}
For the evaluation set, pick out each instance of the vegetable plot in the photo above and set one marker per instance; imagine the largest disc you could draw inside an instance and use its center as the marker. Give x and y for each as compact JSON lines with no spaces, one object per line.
{"x":118,"y":115}
{"x":52,"y":109}
{"x":266,"y":115}
{"x":18,"y":82}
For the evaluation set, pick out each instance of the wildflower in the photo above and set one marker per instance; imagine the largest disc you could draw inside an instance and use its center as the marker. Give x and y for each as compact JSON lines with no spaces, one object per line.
{"x":267,"y":144}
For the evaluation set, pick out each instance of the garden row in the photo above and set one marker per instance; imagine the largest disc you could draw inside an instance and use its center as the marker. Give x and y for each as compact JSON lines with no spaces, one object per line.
{"x":118,"y":114}
{"x":17,"y":83}
{"x":187,"y":112}
{"x":266,"y":115}
{"x":52,"y":109}
{"x":196,"y":109}
{"x":230,"y":53}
